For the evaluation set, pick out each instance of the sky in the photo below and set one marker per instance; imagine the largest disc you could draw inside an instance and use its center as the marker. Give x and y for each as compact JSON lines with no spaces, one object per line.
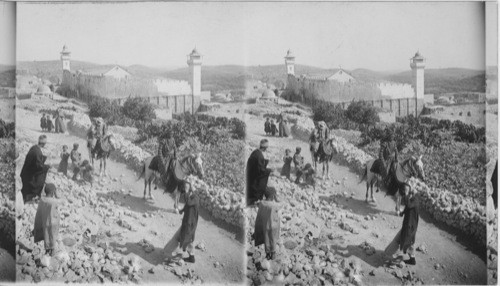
{"x":7,"y":33}
{"x":377,"y":35}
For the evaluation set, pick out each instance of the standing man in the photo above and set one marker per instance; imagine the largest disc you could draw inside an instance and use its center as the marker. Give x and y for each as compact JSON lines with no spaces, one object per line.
{"x":34,"y":171}
{"x":257,"y":174}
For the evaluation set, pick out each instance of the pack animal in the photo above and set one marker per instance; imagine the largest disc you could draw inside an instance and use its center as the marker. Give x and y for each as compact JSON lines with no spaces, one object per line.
{"x":397,"y":178}
{"x":178,"y":172}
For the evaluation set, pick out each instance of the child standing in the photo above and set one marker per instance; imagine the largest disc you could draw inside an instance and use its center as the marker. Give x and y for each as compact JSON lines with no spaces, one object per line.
{"x":76,"y":158}
{"x":47,"y":220}
{"x":43,"y":122}
{"x":267,"y":126}
{"x":298,"y":160}
{"x":268,"y":223}
{"x":287,"y":166}
{"x":274,"y":129}
{"x":63,"y":165}
{"x":50,"y":124}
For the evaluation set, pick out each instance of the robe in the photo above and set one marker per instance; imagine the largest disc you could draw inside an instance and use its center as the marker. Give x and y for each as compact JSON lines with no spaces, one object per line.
{"x":267,"y":127}
{"x":286,"y":129}
{"x":287,"y":166}
{"x":59,"y":125}
{"x":410,"y":224}
{"x":257,"y":175}
{"x":47,"y":222}
{"x":189,"y":221}
{"x":267,"y":225}
{"x":33,"y":173}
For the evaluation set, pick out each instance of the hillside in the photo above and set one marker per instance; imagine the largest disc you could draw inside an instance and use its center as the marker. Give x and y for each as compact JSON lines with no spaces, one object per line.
{"x":439,"y":81}
{"x":233,"y":77}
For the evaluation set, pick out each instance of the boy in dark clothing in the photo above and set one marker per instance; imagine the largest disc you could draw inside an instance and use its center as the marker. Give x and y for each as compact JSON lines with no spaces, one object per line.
{"x":43,"y":122}
{"x":267,"y":126}
{"x":63,"y":165}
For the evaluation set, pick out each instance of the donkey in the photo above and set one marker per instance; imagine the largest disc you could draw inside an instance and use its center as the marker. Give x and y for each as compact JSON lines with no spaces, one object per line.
{"x":323,"y":153}
{"x":102,"y":151}
{"x":398,"y":178}
{"x":177,"y":174}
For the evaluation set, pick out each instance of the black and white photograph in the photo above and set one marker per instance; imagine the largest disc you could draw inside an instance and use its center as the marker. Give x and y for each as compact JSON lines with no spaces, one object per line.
{"x":128,"y":171}
{"x":249,"y":143}
{"x":367,"y":132}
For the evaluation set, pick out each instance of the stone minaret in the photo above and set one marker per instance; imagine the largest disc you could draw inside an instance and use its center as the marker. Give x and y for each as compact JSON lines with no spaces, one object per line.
{"x":194,"y":63}
{"x":65,"y":58}
{"x":417,"y":64}
{"x":290,"y":63}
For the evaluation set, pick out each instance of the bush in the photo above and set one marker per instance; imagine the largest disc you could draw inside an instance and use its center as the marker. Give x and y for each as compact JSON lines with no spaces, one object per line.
{"x":137,"y":108}
{"x":102,"y":107}
{"x":362,"y":112}
{"x":7,"y":130}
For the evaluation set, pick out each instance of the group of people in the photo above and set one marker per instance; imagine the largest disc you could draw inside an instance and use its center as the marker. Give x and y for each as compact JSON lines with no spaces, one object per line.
{"x":305,"y":171}
{"x":282,"y":130}
{"x":265,"y":197}
{"x":57,"y":125}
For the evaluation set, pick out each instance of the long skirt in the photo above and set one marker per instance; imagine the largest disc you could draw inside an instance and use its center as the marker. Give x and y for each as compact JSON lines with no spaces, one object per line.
{"x":33,"y":186}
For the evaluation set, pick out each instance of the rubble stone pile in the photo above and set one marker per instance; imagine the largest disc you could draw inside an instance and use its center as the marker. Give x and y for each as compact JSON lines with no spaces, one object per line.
{"x":7,"y":195}
{"x":304,"y":253}
{"x":85,"y":253}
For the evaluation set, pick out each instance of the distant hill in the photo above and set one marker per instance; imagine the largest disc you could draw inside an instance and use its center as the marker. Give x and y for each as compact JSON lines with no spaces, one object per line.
{"x":438,"y":81}
{"x":233,"y":77}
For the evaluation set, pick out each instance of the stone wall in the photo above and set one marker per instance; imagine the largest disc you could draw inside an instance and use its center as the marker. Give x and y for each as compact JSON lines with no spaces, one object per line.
{"x":454,"y":210}
{"x":221,"y":203}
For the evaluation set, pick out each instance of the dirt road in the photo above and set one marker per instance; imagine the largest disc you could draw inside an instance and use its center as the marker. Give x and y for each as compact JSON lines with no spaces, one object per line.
{"x":449,"y":257}
{"x":222,"y":262}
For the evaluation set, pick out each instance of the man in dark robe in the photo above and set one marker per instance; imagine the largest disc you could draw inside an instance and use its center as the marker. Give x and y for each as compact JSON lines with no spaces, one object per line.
{"x":189,"y":223}
{"x":47,"y":220}
{"x":410,"y":224}
{"x":34,"y":171}
{"x":257,"y":174}
{"x":268,"y":223}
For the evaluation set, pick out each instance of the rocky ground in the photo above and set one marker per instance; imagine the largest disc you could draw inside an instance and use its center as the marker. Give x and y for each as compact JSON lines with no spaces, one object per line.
{"x":7,"y":213}
{"x":110,"y":234}
{"x":330,"y":235}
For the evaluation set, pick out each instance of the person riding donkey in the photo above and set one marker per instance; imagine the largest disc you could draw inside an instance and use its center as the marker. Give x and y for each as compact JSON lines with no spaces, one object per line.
{"x":319,"y":136}
{"x":388,"y":157}
{"x":167,"y":153}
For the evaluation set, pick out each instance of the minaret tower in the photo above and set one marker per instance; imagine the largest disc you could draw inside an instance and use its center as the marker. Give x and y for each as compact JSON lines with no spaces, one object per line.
{"x":194,"y":63}
{"x":65,"y":58}
{"x":417,"y":64}
{"x":290,"y":63}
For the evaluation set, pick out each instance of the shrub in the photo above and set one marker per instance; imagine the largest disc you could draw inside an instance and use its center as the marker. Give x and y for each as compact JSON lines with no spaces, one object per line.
{"x":102,"y":107}
{"x":362,"y":112}
{"x":139,"y":109}
{"x":7,"y":130}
